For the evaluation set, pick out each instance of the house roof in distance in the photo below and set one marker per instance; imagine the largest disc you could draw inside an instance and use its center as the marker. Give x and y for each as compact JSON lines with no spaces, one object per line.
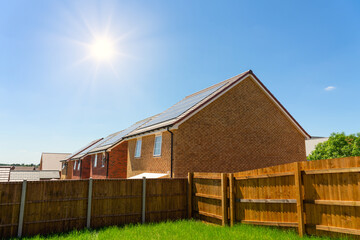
{"x":16,"y":176}
{"x":4,"y":173}
{"x":310,"y":144}
{"x":51,"y":161}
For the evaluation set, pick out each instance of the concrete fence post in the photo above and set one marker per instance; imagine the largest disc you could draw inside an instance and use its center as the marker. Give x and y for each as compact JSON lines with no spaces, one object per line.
{"x":143,"y":208}
{"x":88,"y":215}
{"x":22,"y":208}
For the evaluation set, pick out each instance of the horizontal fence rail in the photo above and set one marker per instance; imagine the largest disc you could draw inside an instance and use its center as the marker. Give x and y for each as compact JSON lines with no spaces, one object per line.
{"x":317,"y":198}
{"x":46,"y":207}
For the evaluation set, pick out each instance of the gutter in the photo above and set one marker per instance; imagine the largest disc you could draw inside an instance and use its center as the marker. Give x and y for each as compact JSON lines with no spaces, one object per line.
{"x":171,"y":152}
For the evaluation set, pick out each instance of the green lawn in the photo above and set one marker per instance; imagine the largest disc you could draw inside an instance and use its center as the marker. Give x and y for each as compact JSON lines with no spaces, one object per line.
{"x":182,"y":230}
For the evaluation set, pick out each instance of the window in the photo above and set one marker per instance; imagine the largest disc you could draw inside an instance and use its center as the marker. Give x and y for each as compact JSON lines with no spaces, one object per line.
{"x":103,"y":161}
{"x":74,"y":165}
{"x":138,"y":148}
{"x":157,"y":146}
{"x":95,"y":160}
{"x":79,"y":165}
{"x":63,"y":165}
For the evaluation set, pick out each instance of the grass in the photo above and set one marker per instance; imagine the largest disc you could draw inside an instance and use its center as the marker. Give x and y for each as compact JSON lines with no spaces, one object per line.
{"x":181,"y":230}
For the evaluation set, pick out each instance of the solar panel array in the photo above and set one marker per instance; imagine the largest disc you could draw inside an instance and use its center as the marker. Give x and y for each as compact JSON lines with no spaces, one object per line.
{"x":93,"y":146}
{"x":180,"y":107}
{"x":118,"y":136}
{"x":81,"y":149}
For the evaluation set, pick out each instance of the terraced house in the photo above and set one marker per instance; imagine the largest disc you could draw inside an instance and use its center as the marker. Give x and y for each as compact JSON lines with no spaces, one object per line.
{"x":232,"y":126}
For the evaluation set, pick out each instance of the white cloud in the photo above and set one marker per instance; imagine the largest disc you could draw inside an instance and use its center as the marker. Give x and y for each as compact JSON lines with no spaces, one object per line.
{"x":330,"y":88}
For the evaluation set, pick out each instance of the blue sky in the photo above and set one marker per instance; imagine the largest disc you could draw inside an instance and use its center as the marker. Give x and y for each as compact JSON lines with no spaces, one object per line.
{"x":53,"y":100}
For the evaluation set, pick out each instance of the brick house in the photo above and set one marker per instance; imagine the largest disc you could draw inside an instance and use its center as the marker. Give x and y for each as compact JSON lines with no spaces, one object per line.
{"x":70,"y":168}
{"x":232,"y":126}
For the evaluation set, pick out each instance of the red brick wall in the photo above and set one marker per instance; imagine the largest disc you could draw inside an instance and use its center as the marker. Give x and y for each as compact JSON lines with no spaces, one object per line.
{"x":99,"y":171}
{"x":85,"y":165}
{"x":241,"y":130}
{"x":76,"y":172}
{"x":118,"y":161}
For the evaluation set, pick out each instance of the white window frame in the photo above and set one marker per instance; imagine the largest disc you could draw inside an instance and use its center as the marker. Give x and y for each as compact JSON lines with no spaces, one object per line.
{"x":75,"y":165}
{"x":79,"y":164}
{"x":95,"y":160}
{"x":159,"y":147}
{"x":138,"y":145}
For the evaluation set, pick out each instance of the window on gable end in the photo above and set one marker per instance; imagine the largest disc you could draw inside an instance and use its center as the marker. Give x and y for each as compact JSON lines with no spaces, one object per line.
{"x":157,"y":145}
{"x":138,"y":148}
{"x":95,"y":160}
{"x":103,"y":160}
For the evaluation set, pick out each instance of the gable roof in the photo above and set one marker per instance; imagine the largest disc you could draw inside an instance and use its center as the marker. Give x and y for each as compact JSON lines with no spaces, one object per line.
{"x":51,"y":161}
{"x":184,"y":109}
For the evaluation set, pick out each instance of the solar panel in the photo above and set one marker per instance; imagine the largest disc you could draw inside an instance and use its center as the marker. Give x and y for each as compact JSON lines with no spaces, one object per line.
{"x":180,"y":107}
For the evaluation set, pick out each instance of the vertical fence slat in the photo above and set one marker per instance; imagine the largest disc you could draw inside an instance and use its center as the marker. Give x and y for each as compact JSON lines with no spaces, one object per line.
{"x":190,"y":184}
{"x":224,"y":199}
{"x":88,"y":214}
{"x":299,"y":200}
{"x":232,"y":198}
{"x":22,"y":208}
{"x":143,"y":205}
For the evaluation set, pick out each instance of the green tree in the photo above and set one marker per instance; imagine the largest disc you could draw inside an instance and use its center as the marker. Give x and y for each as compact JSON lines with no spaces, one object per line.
{"x":339,"y":145}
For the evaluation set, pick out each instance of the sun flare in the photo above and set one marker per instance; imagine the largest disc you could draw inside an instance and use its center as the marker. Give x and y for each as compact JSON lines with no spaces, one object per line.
{"x":102,"y":49}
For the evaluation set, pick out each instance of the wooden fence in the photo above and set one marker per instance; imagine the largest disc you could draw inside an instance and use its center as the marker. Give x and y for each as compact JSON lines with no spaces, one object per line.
{"x":44,"y":207}
{"x":318,"y":197}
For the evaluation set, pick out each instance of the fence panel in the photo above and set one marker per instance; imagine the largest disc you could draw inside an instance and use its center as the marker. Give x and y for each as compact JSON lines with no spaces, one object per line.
{"x":116,"y":202}
{"x":266,"y":196}
{"x":10,"y":194}
{"x":332,"y":196}
{"x":166,"y":199}
{"x":207,"y":197}
{"x":55,"y":206}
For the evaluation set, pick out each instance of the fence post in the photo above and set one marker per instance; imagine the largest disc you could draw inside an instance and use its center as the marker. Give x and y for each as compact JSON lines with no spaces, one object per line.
{"x":143,"y":208}
{"x":88,"y":215}
{"x":190,"y":184}
{"x":232,"y":198}
{"x":224,"y":199}
{"x":299,"y":200}
{"x":22,"y":208}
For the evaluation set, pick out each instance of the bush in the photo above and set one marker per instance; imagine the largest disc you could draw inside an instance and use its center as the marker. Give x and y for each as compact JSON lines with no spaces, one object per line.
{"x":339,"y":145}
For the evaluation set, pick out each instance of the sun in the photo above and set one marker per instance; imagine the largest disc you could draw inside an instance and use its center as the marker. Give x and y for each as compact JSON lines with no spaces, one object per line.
{"x":102,"y":49}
